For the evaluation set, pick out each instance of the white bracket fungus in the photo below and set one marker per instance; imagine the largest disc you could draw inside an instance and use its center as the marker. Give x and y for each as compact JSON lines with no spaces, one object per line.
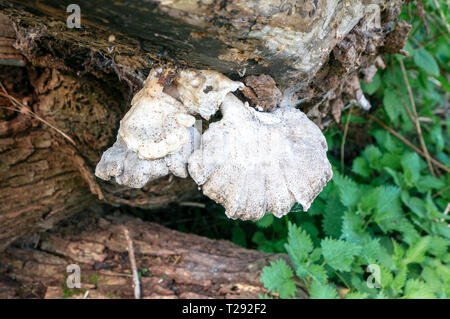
{"x":253,"y":162}
{"x":156,"y":136}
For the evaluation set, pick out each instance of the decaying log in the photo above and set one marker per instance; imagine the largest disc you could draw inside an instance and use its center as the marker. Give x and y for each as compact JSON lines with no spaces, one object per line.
{"x":171,"y":264}
{"x":80,"y":81}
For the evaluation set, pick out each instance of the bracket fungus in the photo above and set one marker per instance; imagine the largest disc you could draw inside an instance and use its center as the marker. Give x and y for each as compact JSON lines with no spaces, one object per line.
{"x":157,"y":136}
{"x":252,"y":162}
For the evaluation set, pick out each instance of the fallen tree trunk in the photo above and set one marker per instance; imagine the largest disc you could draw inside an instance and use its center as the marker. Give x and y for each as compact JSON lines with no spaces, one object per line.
{"x":62,"y":110}
{"x":171,"y":264}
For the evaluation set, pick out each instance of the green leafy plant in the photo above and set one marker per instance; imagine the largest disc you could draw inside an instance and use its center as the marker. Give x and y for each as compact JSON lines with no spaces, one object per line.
{"x":380,"y":229}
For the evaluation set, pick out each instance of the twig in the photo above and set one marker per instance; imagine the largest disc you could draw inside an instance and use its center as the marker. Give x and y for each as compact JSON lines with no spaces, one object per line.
{"x":441,"y":192}
{"x":416,"y":120}
{"x":22,"y":108}
{"x":347,"y":124}
{"x":193,"y":204}
{"x":137,"y":286}
{"x":409,"y":144}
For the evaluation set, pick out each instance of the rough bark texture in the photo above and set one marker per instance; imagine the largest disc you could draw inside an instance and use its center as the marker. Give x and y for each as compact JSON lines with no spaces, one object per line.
{"x":172,"y":264}
{"x":80,"y":81}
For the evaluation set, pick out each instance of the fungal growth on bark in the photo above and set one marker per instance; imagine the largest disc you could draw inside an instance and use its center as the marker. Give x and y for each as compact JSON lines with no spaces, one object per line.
{"x":128,"y":168}
{"x":253,"y":162}
{"x":250,"y":162}
{"x":156,"y":136}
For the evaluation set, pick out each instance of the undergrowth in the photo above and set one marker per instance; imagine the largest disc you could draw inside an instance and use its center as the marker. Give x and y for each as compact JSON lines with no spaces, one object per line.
{"x":380,"y":228}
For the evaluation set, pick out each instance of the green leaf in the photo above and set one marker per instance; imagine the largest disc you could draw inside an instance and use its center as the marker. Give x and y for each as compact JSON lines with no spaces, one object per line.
{"x":348,"y":190}
{"x":411,"y":167}
{"x":339,"y":254}
{"x":266,"y":221}
{"x":332,"y":219}
{"x":417,"y":289}
{"x":357,"y":295}
{"x":399,"y":282}
{"x":426,"y":62}
{"x":438,"y":246}
{"x":315,"y":272}
{"x":322,"y":291}
{"x":361,"y":167}
{"x":352,"y":228}
{"x":392,"y":105}
{"x":277,"y":278}
{"x":372,"y":87}
{"x":416,"y":252}
{"x":299,"y":244}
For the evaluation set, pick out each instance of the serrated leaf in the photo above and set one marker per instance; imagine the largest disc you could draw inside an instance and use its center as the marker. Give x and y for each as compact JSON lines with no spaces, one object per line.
{"x":339,"y":254}
{"x":373,"y":155}
{"x":361,"y":167}
{"x":352,"y":225}
{"x":416,"y":289}
{"x":278,"y":278}
{"x":438,"y":246}
{"x":299,"y":244}
{"x":411,"y":167}
{"x":399,"y":282}
{"x":322,"y":291}
{"x":357,"y":295}
{"x":314,"y":272}
{"x":332,"y":219}
{"x":392,"y":105}
{"x":416,"y":252}
{"x":426,"y":62}
{"x":348,"y":190}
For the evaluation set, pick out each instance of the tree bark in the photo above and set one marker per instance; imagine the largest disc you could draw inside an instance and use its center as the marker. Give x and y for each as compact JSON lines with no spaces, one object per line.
{"x":171,"y":264}
{"x":62,"y":110}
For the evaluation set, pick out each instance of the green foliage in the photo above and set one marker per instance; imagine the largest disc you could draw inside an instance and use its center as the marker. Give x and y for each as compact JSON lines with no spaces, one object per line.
{"x":277,"y":278}
{"x":378,"y":229}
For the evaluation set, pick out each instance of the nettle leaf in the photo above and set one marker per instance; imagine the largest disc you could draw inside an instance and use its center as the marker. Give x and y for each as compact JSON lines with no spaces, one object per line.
{"x":319,"y":290}
{"x":427,"y":183}
{"x":332,"y":219}
{"x":348,"y":190}
{"x":373,"y":155}
{"x":437,"y":138}
{"x":399,"y":282}
{"x":266,"y":221}
{"x":352,"y":228}
{"x":424,"y":60}
{"x":371,"y":251}
{"x":417,"y":289}
{"x":357,"y":295}
{"x":299,"y":244}
{"x":278,"y":278}
{"x":386,"y":278}
{"x":387,"y":142}
{"x":339,"y":254}
{"x":361,"y":167}
{"x":372,"y":87}
{"x":392,"y":104}
{"x":314,"y":272}
{"x":411,"y":167}
{"x":416,"y":252}
{"x":438,"y":246}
